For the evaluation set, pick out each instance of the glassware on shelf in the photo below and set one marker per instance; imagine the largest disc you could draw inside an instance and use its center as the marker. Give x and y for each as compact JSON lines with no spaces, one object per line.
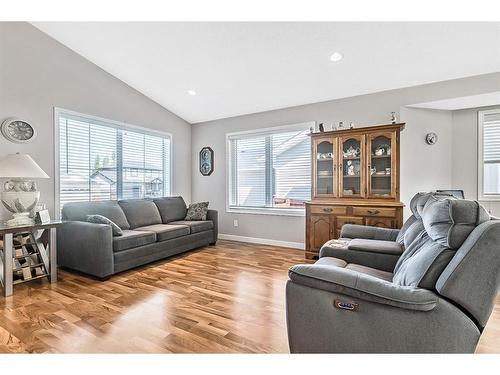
{"x":380,"y":171}
{"x":351,"y":166}
{"x":325,"y":167}
{"x":352,"y":152}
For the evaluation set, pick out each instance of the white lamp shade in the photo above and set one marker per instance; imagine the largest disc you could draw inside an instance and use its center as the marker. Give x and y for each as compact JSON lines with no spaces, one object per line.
{"x":20,"y":166}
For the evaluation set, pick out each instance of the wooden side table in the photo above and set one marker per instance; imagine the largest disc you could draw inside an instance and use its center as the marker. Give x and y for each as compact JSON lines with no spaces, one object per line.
{"x":47,"y":254}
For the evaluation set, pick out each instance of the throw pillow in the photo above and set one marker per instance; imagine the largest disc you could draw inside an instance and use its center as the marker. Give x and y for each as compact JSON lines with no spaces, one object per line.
{"x":99,"y":219}
{"x":197,"y":211}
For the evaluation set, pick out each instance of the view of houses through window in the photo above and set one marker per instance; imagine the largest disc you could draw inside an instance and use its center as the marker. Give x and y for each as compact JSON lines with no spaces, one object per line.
{"x":100,"y":161}
{"x":270,"y":169}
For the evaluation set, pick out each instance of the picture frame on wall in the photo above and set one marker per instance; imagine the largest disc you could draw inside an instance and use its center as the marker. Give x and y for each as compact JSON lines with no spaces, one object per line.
{"x":206,"y":161}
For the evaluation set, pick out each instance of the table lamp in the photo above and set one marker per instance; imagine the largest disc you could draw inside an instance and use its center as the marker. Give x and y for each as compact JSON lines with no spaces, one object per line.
{"x":20,"y":195}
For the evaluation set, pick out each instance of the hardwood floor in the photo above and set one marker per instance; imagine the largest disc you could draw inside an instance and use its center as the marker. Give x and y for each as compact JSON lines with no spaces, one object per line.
{"x":223,"y":299}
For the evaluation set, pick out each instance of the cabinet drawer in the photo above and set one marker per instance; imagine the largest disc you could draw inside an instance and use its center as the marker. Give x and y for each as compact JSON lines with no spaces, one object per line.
{"x":381,"y":222}
{"x":341,"y":220}
{"x":334,"y":210}
{"x":374,"y":211}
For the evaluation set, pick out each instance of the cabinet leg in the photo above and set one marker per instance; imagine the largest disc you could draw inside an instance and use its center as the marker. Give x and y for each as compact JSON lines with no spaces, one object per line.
{"x":311,"y":256}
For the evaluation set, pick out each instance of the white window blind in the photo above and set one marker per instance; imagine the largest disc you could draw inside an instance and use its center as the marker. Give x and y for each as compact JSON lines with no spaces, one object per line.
{"x":100,"y":160}
{"x":489,"y":154}
{"x":270,"y":169}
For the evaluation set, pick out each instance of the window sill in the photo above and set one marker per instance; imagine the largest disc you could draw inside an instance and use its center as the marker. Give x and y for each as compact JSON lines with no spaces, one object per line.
{"x":267,"y":211}
{"x":489,"y":199}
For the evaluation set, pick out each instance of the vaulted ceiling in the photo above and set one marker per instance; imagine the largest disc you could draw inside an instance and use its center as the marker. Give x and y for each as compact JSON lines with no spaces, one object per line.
{"x":241,"y":68}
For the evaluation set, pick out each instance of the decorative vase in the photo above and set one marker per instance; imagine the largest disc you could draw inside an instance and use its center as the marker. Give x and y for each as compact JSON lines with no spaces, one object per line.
{"x":20,"y":203}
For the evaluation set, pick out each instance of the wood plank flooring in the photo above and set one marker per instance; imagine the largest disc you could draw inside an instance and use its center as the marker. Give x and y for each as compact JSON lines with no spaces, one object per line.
{"x":223,"y":299}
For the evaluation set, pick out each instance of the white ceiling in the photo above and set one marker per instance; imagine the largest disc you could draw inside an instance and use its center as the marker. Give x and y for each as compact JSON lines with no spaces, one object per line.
{"x":241,"y":68}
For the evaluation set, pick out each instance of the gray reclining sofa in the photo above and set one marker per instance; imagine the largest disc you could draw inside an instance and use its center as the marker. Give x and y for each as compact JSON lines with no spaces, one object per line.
{"x":435,"y":298}
{"x":374,"y":246}
{"x":153,"y":229}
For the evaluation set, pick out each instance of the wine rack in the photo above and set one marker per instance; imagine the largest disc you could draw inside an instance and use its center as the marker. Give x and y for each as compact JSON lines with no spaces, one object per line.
{"x":28,"y":261}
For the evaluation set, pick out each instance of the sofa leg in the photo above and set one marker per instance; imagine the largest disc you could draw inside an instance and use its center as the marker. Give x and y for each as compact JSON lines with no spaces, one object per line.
{"x":105,"y":278}
{"x":212,"y":244}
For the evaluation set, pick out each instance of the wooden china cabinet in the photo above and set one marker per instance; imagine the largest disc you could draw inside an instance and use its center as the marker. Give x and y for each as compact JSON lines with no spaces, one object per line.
{"x":355,"y":180}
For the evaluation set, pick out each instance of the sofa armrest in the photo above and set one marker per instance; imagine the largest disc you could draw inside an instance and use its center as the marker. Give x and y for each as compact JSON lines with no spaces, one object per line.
{"x":362,"y":286}
{"x":369,"y":233}
{"x":376,"y":246}
{"x":86,"y":247}
{"x":214,"y":216}
{"x":383,"y":258}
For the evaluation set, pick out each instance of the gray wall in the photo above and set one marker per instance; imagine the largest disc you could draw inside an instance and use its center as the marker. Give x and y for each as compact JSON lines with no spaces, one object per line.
{"x":423,"y":167}
{"x":464,"y":153}
{"x":37,"y":74}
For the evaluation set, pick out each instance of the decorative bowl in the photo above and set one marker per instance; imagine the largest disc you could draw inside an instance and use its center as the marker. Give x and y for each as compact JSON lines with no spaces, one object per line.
{"x":20,"y":201}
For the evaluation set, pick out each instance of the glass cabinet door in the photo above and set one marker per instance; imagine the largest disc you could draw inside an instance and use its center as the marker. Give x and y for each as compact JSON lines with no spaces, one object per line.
{"x":325,"y":176}
{"x":351,"y":157}
{"x":381,"y":166}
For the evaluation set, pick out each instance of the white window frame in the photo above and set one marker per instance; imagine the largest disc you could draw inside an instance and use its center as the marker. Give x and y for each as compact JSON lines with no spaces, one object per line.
{"x":480,"y":161}
{"x":260,"y":210}
{"x":122,"y":125}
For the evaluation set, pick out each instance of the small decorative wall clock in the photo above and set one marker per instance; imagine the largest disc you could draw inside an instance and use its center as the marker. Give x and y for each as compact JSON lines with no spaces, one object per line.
{"x":206,"y":161}
{"x":17,"y":130}
{"x":431,"y":138}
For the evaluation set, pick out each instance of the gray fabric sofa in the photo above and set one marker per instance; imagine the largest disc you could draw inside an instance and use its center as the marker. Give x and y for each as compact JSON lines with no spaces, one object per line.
{"x":436,"y":298}
{"x":153,"y":229}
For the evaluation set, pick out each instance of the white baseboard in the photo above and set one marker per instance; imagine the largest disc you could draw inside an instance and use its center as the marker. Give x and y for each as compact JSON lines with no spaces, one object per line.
{"x":263,"y":241}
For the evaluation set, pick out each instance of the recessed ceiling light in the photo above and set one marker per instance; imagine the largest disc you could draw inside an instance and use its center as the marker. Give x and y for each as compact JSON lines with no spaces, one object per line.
{"x":336,"y":56}
{"x":192,"y":92}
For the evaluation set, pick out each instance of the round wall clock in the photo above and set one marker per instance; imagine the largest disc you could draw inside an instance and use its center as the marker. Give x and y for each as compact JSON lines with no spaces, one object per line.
{"x":206,"y":161}
{"x":431,"y":138}
{"x":18,"y":131}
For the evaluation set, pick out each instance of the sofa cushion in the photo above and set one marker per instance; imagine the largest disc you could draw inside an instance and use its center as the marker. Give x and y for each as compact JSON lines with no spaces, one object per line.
{"x":412,"y":232}
{"x":133,"y":238}
{"x":166,"y":231}
{"x":421,"y":202}
{"x":195,"y":226}
{"x":400,"y":238}
{"x":417,"y":203}
{"x":99,"y":219}
{"x":450,"y":221}
{"x":171,"y":208}
{"x":140,"y":212}
{"x":375,"y":246}
{"x":413,"y":204}
{"x":197,"y":211}
{"x":413,"y":226}
{"x":387,"y":276}
{"x":78,"y":211}
{"x":334,"y":262}
{"x":422,"y":263}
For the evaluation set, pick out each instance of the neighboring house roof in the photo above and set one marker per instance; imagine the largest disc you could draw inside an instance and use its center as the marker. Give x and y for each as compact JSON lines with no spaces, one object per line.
{"x":105,"y":174}
{"x":108,"y":175}
{"x":140,"y":165}
{"x":292,"y":141}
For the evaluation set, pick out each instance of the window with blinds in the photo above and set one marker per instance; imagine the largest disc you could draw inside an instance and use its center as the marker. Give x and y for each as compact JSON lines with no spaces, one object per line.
{"x":270,"y":169}
{"x":489,"y":154}
{"x":101,"y":160}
